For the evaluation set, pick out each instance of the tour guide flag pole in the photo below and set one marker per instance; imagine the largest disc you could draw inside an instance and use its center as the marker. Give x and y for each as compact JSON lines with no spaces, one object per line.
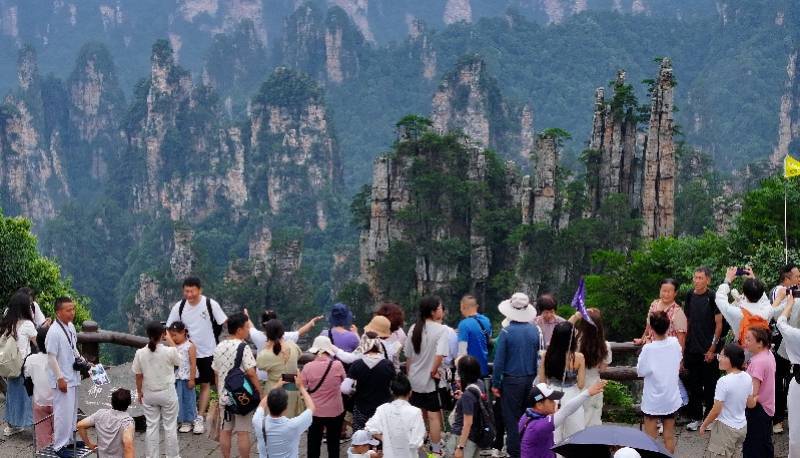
{"x":791,"y":168}
{"x":579,"y":302}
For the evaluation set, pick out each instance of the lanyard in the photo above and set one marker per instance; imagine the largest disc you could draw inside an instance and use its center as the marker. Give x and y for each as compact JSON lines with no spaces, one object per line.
{"x":66,"y":333}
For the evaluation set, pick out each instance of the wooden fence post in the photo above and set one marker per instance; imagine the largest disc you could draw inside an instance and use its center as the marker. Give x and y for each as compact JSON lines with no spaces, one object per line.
{"x":90,"y":350}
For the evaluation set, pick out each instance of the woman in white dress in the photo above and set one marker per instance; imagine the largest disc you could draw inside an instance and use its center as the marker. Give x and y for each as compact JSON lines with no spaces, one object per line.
{"x":597,"y":355}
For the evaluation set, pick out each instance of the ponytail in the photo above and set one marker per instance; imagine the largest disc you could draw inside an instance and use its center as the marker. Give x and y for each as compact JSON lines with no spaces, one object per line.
{"x":427,"y":305}
{"x":274,"y":331}
{"x":155,"y":330}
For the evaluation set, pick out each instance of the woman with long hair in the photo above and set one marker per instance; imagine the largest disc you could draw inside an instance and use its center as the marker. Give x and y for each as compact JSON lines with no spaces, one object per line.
{"x":563,"y":369}
{"x":278,"y":358}
{"x":18,"y":324}
{"x":425,"y":350}
{"x":154,"y":366}
{"x":467,"y":408}
{"x":397,"y":318}
{"x":596,"y":352}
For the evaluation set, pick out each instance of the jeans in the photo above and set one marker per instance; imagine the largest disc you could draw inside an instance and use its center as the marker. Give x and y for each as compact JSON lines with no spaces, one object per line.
{"x":19,"y":409}
{"x":514,"y":397}
{"x":333,"y":430}
{"x":758,"y":442}
{"x":187,"y":402}
{"x":700,"y":381}
{"x":161,"y":410}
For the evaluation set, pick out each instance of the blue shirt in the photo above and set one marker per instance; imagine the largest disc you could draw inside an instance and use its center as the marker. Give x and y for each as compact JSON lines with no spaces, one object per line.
{"x":283,"y":434}
{"x":516,"y":352}
{"x":469,"y":331}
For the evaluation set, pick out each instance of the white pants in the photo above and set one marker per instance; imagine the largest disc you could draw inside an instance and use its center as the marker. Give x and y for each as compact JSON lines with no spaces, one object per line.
{"x":793,"y":408}
{"x":65,"y":416}
{"x":161,"y":409}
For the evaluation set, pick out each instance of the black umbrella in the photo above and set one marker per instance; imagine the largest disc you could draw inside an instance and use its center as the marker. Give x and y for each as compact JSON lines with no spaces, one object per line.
{"x":596,"y":440}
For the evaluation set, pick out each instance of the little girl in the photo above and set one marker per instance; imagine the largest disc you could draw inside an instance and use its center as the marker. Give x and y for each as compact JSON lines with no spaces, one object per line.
{"x":184,"y":376}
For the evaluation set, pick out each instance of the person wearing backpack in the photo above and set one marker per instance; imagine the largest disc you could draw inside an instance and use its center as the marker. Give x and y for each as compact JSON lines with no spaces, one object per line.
{"x":467,"y":420}
{"x":323,"y":376}
{"x":538,"y":424}
{"x":17,"y":333}
{"x":235,"y":368}
{"x":474,"y":333}
{"x":204,"y":319}
{"x":154,"y":366}
{"x":754,"y":310}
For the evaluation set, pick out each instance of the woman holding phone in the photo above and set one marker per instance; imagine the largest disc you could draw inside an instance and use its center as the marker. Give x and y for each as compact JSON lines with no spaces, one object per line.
{"x":278,"y":359}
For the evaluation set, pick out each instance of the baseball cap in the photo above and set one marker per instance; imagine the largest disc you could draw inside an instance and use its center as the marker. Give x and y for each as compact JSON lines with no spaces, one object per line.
{"x":363,"y":437}
{"x":541,"y":392}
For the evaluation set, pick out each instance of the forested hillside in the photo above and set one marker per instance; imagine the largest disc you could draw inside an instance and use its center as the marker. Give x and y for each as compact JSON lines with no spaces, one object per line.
{"x":265,"y":144}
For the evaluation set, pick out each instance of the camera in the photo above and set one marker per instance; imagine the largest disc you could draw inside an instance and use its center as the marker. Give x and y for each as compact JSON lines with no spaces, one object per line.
{"x":289,"y":378}
{"x":81,"y":365}
{"x":795,"y":292}
{"x":741,"y":271}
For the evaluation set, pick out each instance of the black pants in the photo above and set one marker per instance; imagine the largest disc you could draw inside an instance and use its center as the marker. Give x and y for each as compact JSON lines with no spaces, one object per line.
{"x":333,"y":431}
{"x":758,"y":442}
{"x":701,"y":381}
{"x":499,"y":425}
{"x":782,"y":377}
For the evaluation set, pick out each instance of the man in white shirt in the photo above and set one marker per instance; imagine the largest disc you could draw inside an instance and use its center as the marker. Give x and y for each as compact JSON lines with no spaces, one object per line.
{"x":200,"y":315}
{"x":61,"y":345}
{"x":398,"y":424}
{"x":755,"y":302}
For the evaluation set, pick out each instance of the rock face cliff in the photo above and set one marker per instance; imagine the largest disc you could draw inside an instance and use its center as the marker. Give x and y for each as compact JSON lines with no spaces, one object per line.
{"x":431,"y":175}
{"x":789,"y":116}
{"x":658,"y":187}
{"x":326,"y":46}
{"x":613,"y":141}
{"x":469,"y":100}
{"x":538,"y":194}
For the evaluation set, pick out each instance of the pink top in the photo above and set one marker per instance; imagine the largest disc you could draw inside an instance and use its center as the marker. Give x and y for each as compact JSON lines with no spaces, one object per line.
{"x":328,"y":398}
{"x":762,"y":367}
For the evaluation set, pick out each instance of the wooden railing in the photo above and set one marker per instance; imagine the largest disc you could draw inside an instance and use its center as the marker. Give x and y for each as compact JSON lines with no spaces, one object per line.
{"x":92,"y":336}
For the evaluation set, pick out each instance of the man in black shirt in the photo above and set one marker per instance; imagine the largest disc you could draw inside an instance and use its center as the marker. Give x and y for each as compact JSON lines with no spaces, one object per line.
{"x":700,"y":354}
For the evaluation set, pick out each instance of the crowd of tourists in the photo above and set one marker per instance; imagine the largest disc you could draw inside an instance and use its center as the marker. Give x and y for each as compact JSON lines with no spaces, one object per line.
{"x":727,"y":361}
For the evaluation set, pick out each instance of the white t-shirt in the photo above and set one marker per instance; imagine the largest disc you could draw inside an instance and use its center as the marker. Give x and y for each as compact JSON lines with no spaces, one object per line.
{"x":36,"y":369}
{"x":197,"y":321}
{"x":435,"y":342}
{"x":157,"y":367}
{"x":63,"y":348}
{"x":659,"y":363}
{"x":25,"y":332}
{"x":733,"y":390}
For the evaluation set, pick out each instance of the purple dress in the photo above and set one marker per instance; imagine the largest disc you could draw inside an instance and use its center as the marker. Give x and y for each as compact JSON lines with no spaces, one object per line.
{"x":536,"y":433}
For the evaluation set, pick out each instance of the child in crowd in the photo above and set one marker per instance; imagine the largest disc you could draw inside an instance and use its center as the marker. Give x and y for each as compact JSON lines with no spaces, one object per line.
{"x":659,"y":364}
{"x":730,"y":399}
{"x":362,"y":445}
{"x":185,"y":375}
{"x":36,"y":369}
{"x":538,"y":424}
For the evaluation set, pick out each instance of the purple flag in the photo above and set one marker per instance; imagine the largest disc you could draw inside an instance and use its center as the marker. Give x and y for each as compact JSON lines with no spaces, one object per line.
{"x":579,"y":302}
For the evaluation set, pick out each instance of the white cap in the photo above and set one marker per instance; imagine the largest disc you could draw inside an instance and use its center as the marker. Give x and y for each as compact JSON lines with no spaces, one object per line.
{"x":363,"y":437}
{"x":627,"y":452}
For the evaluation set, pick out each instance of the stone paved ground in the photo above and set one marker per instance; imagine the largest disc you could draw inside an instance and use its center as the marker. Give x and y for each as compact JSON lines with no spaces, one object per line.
{"x":689,"y":445}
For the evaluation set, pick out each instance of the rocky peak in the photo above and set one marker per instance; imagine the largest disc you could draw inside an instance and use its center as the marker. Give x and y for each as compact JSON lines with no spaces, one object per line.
{"x":357,"y":11}
{"x":789,"y":114}
{"x":342,"y":44}
{"x":291,"y":132}
{"x":95,"y":96}
{"x":539,"y":189}
{"x":469,"y":100}
{"x":457,"y":11}
{"x":423,"y":47}
{"x":613,"y":141}
{"x":182,"y":261}
{"x":658,"y":188}
{"x":27,"y":68}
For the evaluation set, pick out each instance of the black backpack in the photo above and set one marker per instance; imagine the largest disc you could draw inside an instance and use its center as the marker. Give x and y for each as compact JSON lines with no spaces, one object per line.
{"x":217,"y":328}
{"x":486,"y":334}
{"x":483,"y":427}
{"x":244,"y":396}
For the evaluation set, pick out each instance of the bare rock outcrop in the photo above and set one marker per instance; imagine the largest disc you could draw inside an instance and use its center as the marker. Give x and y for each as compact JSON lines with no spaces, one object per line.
{"x":469,"y":100}
{"x":658,"y":188}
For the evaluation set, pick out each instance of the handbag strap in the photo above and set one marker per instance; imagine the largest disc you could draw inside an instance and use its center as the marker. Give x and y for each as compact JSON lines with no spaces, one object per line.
{"x":327,"y":369}
{"x":264,"y":432}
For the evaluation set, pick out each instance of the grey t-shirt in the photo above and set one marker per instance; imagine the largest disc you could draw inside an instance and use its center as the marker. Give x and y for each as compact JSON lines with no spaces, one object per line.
{"x":434,"y":343}
{"x":109,"y":425}
{"x":468,"y":404}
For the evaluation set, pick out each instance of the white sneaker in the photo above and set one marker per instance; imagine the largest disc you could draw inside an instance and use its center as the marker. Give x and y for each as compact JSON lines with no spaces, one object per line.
{"x":498,"y":453}
{"x":185,"y":428}
{"x":693,"y":426}
{"x":11,"y":430}
{"x":199,"y":426}
{"x":777,"y":428}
